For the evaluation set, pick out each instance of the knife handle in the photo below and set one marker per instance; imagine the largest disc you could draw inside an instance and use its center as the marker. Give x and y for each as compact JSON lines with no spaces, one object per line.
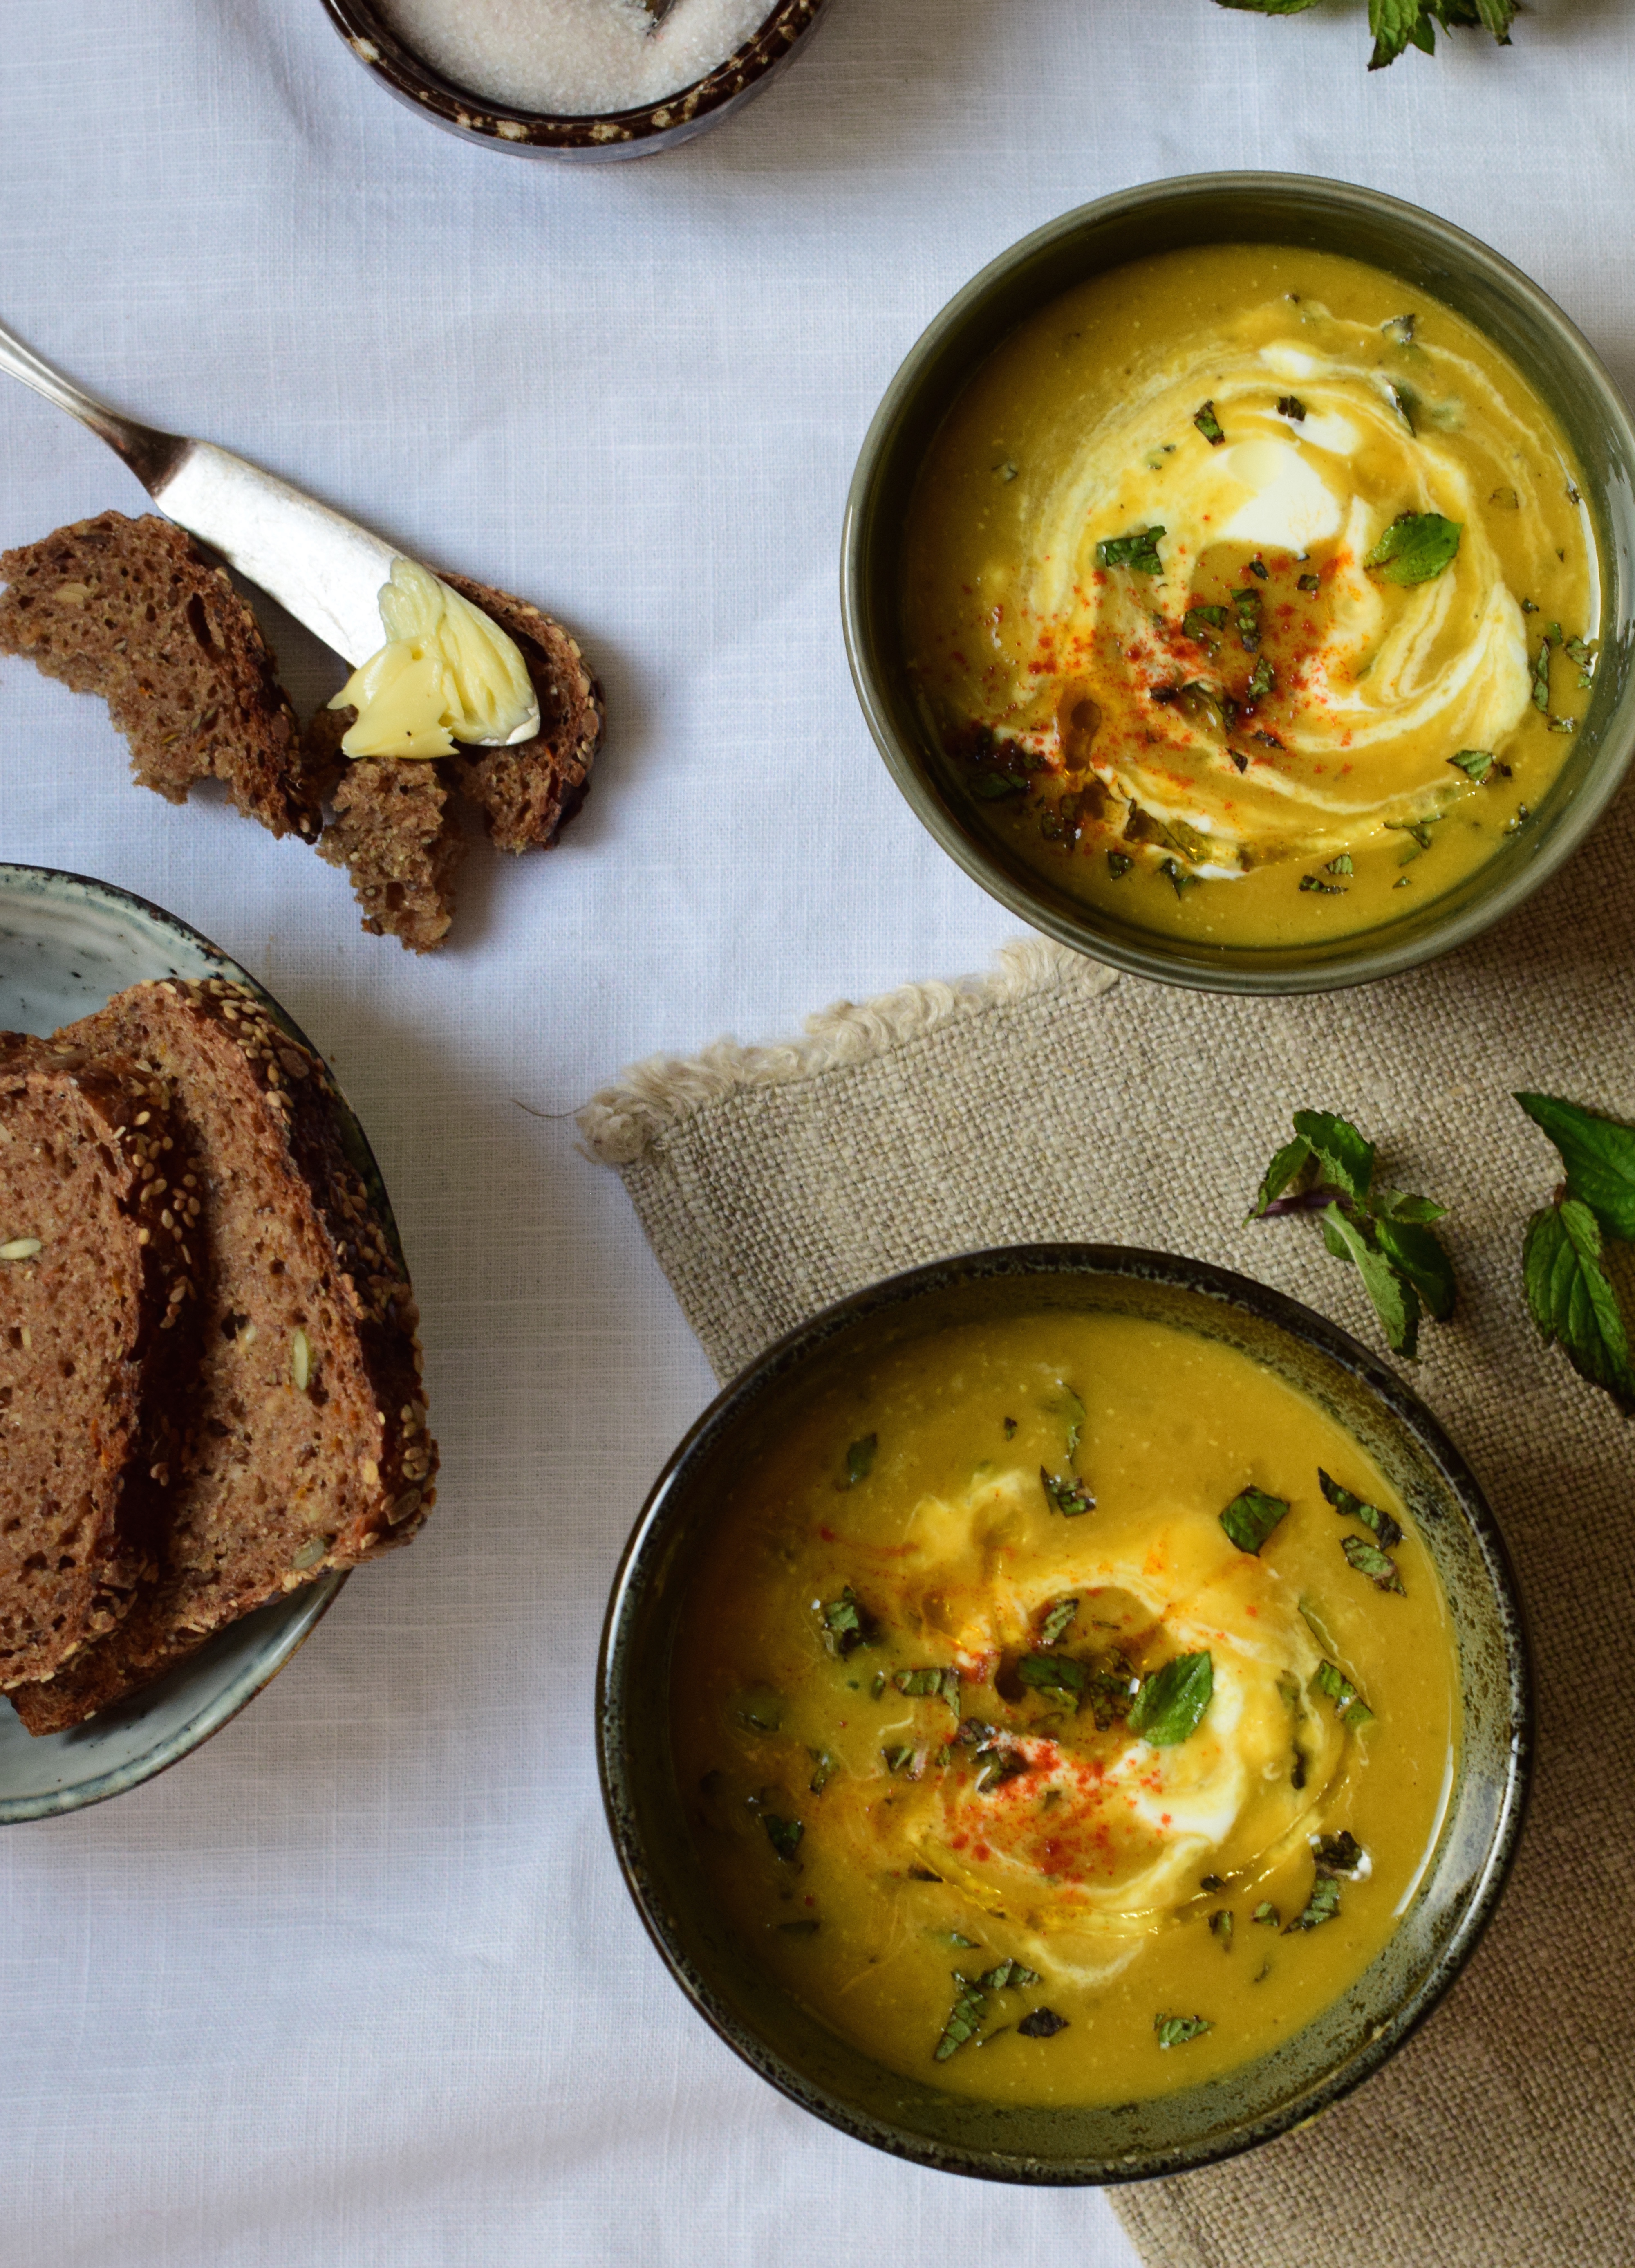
{"x":150,"y":453}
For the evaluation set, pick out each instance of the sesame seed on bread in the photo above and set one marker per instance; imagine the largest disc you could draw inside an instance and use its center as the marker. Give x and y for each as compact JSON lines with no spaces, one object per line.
{"x":102,"y":1250}
{"x":311,"y":1451}
{"x":134,"y":610}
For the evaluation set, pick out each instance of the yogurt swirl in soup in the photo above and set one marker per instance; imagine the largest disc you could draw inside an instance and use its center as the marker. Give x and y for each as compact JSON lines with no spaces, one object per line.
{"x":1229,"y":579}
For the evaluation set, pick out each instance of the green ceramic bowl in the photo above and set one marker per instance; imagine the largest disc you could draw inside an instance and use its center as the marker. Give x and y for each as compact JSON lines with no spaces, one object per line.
{"x":784,"y":2041}
{"x":1245,"y":208}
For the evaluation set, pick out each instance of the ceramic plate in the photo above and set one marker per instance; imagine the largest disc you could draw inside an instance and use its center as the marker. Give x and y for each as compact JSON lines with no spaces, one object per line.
{"x":67,"y":945}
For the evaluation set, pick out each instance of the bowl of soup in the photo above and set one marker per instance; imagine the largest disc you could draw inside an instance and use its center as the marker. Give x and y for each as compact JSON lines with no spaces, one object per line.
{"x":1236,"y":580}
{"x":1063,"y":1714}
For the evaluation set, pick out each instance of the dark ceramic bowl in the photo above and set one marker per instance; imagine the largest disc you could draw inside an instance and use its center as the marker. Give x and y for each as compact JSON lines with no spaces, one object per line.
{"x":784,"y":2041}
{"x":67,"y":945}
{"x":615,"y":133}
{"x":1283,"y":209}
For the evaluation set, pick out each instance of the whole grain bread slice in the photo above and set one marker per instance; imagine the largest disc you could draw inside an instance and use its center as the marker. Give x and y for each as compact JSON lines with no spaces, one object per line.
{"x":134,"y":610}
{"x":311,"y":1451}
{"x":102,"y":1249}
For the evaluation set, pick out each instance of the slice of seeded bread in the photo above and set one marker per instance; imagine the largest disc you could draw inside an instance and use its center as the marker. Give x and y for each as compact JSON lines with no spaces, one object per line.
{"x":311,"y":1450}
{"x":101,"y":1252}
{"x":134,"y":610}
{"x":527,"y":794}
{"x":396,"y":831}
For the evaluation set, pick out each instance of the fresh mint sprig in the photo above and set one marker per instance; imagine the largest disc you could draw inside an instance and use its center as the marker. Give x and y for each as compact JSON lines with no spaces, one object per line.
{"x":1328,"y":1170}
{"x":1399,"y":24}
{"x":1570,"y":1294}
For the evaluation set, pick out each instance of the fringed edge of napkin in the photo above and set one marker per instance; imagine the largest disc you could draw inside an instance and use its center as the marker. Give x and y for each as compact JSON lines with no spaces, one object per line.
{"x":622,"y":1123}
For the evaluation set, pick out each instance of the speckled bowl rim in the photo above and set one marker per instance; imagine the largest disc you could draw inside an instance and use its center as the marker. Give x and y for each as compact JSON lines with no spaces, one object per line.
{"x":1047,"y":1262}
{"x":240,"y":1684}
{"x":613,"y":134}
{"x":1178,"y":961}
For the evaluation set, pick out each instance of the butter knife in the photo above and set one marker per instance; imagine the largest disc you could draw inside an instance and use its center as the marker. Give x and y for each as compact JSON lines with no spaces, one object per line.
{"x":321,"y":567}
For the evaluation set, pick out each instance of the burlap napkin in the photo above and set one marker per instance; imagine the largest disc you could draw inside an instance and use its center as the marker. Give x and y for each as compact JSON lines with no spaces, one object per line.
{"x":1052,"y":1100}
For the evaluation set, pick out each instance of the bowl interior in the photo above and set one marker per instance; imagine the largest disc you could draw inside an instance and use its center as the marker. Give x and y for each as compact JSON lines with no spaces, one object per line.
{"x":786,"y":2042}
{"x":591,"y":137}
{"x":67,"y":945}
{"x":1237,"y":209}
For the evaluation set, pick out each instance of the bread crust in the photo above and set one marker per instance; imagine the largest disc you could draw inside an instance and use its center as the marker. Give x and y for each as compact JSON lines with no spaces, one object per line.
{"x":135,"y":611}
{"x":311,"y":1452}
{"x":99,"y":1341}
{"x":528,"y":793}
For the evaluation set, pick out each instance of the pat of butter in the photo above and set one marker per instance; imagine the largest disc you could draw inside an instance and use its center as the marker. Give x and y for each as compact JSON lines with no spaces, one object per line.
{"x":447,"y":672}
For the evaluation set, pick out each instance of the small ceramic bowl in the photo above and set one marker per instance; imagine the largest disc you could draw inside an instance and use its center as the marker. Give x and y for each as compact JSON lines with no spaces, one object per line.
{"x":661,"y":125}
{"x":67,"y":945}
{"x":784,"y":2041}
{"x":1281,"y":209}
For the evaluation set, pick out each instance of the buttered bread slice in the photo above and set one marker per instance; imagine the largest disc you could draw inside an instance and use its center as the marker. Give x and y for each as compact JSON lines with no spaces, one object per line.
{"x":311,"y":1451}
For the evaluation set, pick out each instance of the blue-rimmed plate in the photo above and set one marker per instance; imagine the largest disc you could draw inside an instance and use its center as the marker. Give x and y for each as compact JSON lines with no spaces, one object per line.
{"x":67,"y":945}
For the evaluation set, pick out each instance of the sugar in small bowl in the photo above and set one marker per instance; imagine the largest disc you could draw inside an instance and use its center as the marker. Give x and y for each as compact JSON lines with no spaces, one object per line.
{"x":584,"y":79}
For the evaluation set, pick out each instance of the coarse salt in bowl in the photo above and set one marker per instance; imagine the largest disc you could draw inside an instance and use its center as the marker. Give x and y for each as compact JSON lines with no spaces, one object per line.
{"x":574,"y":78}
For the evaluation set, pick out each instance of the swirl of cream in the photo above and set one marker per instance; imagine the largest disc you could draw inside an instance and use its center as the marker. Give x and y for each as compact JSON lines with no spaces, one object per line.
{"x":1375,"y":685}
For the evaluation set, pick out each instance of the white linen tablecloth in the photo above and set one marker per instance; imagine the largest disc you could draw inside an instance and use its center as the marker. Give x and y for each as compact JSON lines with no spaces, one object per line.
{"x":358,"y":1983}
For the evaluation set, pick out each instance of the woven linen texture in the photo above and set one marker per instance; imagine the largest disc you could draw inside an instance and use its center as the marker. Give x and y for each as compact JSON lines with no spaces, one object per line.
{"x":1055,"y":1101}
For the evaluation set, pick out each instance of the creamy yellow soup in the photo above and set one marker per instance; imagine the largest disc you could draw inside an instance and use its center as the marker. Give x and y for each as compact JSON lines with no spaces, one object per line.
{"x":1252,"y":595}
{"x":1020,"y":1765}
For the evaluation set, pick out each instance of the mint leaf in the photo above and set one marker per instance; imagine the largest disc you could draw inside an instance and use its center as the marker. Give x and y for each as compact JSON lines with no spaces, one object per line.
{"x":1541,"y":678}
{"x":1053,"y":1673}
{"x":965,"y":2019}
{"x":1138,"y":551}
{"x":1067,"y":1405}
{"x":847,"y":1624}
{"x":1170,"y":1705}
{"x":1395,"y":24}
{"x":1009,"y":1977}
{"x":1175,"y":2031}
{"x":1058,"y":1620}
{"x":1321,"y":1906}
{"x":926,"y":1684}
{"x":860,"y":1460}
{"x":1345,"y":1158}
{"x":1396,"y":1300}
{"x":1250,"y":1518}
{"x":1348,"y":1702}
{"x":784,"y":1834}
{"x":1479,"y":764}
{"x":1387,"y":1534}
{"x":1337,"y":1854}
{"x":1044,"y":2023}
{"x":1416,"y":547}
{"x":1419,"y":1255}
{"x":1068,"y":1496}
{"x":1573,"y":1302}
{"x":1289,"y":1161}
{"x":1599,"y":1155}
{"x":1208,"y":424}
{"x":1369,"y":1560}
